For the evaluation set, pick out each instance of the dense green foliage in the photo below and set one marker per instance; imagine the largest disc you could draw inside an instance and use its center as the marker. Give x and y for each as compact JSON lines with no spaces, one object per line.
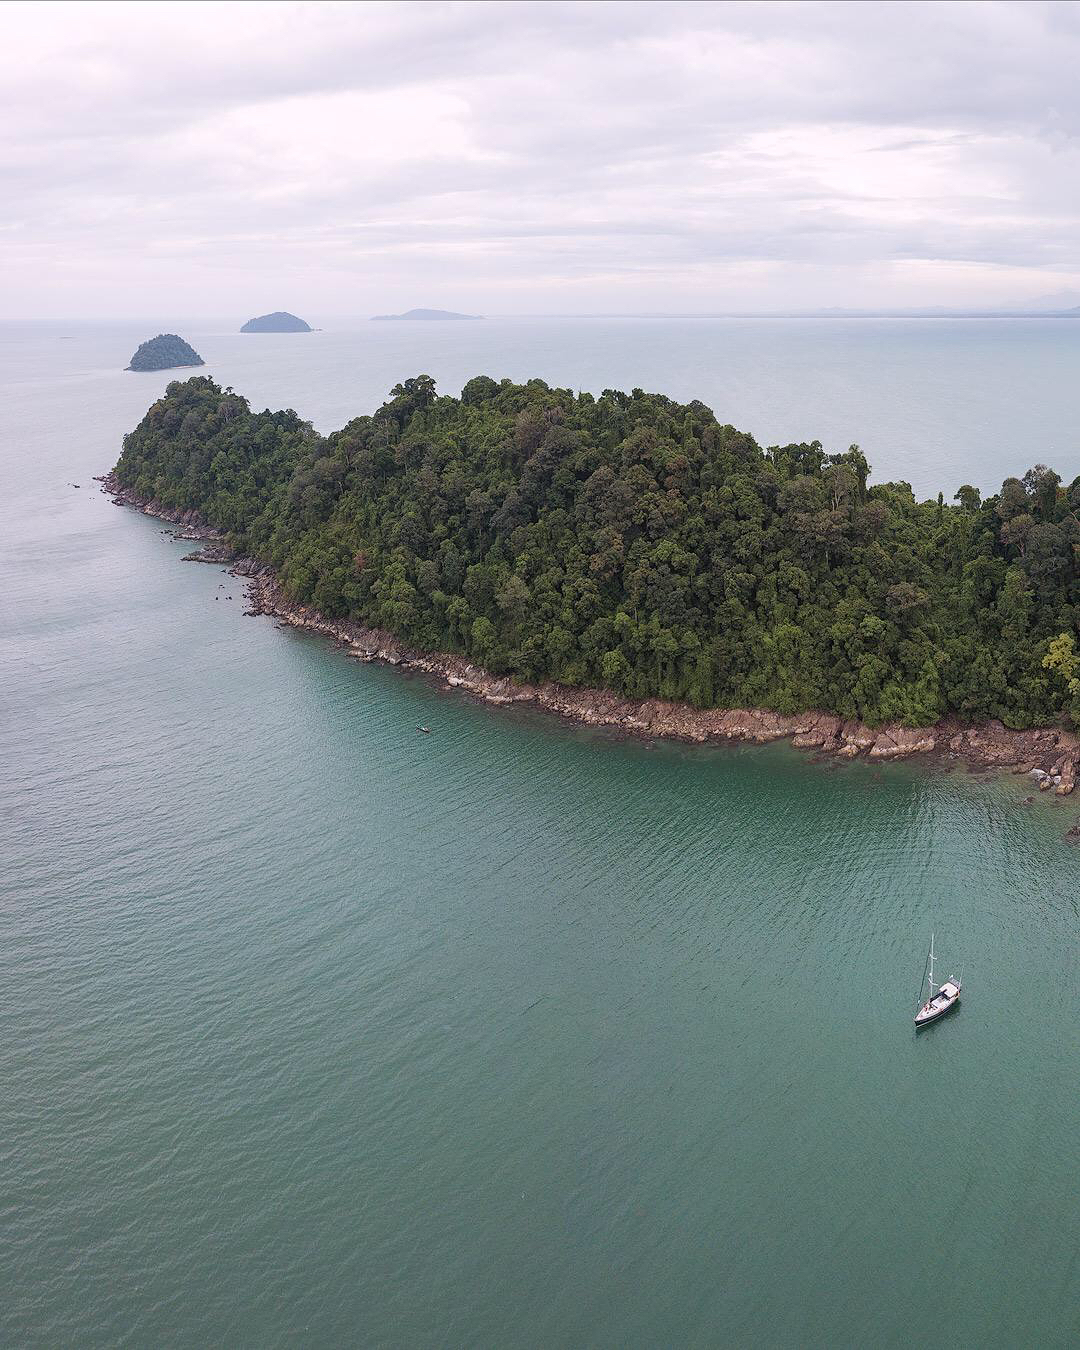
{"x":163,"y":353}
{"x":278,"y":322}
{"x":635,"y":542}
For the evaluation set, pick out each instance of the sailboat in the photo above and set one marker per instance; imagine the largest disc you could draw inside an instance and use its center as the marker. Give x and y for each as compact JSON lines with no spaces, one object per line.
{"x":942,"y":999}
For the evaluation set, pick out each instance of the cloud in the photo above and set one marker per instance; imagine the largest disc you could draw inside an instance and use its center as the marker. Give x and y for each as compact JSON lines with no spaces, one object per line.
{"x":536,"y":156}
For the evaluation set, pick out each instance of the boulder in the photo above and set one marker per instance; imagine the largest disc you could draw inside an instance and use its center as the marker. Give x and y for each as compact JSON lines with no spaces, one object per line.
{"x":899,"y":742}
{"x":856,"y":735}
{"x":818,"y":730}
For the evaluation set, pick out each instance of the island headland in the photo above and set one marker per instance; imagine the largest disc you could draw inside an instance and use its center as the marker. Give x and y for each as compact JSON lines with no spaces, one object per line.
{"x":164,"y":352}
{"x":426,"y":314}
{"x":628,"y":561}
{"x":278,"y":322}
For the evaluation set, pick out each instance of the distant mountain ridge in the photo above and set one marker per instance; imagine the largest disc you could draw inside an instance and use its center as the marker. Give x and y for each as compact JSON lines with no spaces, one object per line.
{"x":164,"y":352}
{"x":1056,"y":300}
{"x":426,"y":314}
{"x":281,"y":321}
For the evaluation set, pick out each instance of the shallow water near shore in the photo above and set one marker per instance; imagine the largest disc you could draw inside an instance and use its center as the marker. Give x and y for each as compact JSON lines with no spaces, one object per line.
{"x":314,"y":1028}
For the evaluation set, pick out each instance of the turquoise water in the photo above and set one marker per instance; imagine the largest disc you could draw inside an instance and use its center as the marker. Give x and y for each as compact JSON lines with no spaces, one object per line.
{"x":314,"y":1030}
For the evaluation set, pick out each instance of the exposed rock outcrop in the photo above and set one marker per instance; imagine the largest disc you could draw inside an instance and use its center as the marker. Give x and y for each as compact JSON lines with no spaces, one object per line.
{"x":989,"y":746}
{"x":898,"y":742}
{"x":191,"y":521}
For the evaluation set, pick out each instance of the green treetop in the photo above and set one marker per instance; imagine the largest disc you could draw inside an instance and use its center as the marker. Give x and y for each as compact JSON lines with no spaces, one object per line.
{"x":630,"y":541}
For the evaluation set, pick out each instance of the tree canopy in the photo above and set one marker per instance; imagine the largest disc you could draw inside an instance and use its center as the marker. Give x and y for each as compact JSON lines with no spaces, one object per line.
{"x":630,"y":541}
{"x":164,"y":352}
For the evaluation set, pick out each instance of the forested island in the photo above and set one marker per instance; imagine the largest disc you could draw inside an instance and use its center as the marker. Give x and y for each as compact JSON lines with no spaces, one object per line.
{"x":164,"y":352}
{"x":635,"y":543}
{"x":278,"y":322}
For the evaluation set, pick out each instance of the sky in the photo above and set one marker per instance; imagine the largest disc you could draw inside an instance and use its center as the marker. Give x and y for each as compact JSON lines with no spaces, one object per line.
{"x":502,"y":158}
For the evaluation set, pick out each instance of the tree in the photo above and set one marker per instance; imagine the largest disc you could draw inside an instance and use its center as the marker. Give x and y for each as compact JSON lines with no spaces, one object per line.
{"x":1063,"y":658}
{"x":632,"y":541}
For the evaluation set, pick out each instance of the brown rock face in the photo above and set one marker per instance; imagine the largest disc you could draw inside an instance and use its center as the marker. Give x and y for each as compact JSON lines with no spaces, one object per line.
{"x":822,"y":732}
{"x":896,"y":742}
{"x":856,"y":735}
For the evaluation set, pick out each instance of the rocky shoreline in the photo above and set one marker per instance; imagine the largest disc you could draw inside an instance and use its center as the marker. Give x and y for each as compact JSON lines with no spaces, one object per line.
{"x":1050,"y":756}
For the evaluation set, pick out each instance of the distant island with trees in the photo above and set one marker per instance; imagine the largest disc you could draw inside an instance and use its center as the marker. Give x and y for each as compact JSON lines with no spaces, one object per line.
{"x":424,"y":314}
{"x":635,"y":543}
{"x":164,"y":352}
{"x":278,"y":322}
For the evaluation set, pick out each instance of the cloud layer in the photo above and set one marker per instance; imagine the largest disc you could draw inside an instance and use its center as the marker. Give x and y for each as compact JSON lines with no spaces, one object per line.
{"x":209,"y":158}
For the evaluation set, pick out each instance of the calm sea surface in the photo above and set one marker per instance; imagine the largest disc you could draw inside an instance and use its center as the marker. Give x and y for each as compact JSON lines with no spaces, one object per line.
{"x":317,"y":1031}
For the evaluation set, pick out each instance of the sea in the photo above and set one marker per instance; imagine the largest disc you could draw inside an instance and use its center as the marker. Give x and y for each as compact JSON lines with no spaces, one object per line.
{"x":315,"y":1030}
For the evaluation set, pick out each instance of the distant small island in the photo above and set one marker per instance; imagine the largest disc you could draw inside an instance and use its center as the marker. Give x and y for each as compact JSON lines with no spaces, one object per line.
{"x":278,"y":322}
{"x":426,"y":314}
{"x":164,"y":352}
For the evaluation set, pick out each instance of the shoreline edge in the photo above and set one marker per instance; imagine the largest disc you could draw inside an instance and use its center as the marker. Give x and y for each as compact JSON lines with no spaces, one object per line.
{"x":1049,"y":755}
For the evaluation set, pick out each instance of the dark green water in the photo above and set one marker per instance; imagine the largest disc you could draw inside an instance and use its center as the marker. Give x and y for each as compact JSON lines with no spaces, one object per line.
{"x":317,"y":1031}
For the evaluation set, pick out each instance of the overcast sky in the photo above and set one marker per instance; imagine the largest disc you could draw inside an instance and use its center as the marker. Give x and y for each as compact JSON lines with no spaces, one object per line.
{"x":212,"y":159}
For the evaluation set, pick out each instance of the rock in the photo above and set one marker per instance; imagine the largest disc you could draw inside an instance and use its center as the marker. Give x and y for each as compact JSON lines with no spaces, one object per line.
{"x":817,"y":731}
{"x":1068,"y":778}
{"x":1037,"y":773}
{"x":898,"y":742}
{"x":1045,"y":783}
{"x":857,"y":736}
{"x":212,"y":553}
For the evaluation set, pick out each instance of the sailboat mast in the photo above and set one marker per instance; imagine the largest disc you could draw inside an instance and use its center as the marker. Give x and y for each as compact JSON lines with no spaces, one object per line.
{"x":931,"y":977}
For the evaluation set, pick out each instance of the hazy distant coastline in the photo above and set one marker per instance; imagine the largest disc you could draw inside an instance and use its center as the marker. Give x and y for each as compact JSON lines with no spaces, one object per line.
{"x":425,"y":314}
{"x":832,"y":313}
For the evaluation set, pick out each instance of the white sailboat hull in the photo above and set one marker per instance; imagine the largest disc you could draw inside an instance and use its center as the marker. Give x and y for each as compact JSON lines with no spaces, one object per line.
{"x":944,"y":1001}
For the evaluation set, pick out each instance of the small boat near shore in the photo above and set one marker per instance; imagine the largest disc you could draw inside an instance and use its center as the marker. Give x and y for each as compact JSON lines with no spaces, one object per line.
{"x":942,"y":998}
